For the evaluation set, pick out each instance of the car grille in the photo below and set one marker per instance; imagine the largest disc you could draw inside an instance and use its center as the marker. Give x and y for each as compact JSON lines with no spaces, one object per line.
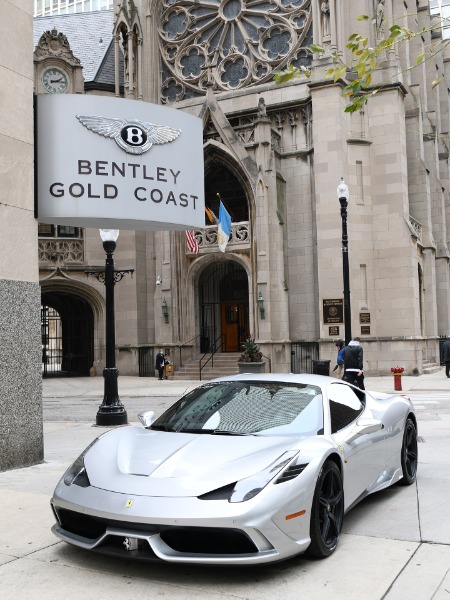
{"x":207,"y":540}
{"x":92,"y":528}
{"x":83,"y":525}
{"x":186,"y":540}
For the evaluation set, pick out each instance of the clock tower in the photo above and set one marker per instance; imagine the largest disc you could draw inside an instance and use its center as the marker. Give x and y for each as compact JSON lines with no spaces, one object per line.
{"x":56,"y":69}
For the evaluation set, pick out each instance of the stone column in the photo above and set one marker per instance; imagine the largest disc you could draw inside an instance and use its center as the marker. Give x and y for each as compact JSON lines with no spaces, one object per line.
{"x":116,"y":65}
{"x":131,"y":62}
{"x":21,"y":439}
{"x":269,"y":246}
{"x":139,"y":69}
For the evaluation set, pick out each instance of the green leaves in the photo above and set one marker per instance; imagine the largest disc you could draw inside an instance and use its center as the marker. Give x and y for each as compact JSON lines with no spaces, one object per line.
{"x":251,"y":352}
{"x":436,"y":82}
{"x":317,"y":49}
{"x":420,"y":58}
{"x":290,"y":73}
{"x":336,"y":73}
{"x":364,"y":61}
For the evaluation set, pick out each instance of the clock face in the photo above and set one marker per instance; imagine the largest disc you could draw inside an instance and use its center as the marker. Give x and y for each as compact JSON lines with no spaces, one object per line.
{"x":54,"y":81}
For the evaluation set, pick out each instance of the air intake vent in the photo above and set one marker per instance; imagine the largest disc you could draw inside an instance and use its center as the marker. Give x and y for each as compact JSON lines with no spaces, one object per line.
{"x":223,"y":493}
{"x":205,"y":540}
{"x":82,"y":479}
{"x":291,"y":473}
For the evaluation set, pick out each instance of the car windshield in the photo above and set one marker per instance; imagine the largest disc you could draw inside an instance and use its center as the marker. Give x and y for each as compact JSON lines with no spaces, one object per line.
{"x":246,"y":408}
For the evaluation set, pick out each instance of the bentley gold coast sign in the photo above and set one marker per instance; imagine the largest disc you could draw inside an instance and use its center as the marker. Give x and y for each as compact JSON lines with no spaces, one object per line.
{"x":113,"y":163}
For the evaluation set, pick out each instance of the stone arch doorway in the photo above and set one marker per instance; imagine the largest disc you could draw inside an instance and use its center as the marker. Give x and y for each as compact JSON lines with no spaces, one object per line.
{"x":223,"y":306}
{"x":67,"y":330}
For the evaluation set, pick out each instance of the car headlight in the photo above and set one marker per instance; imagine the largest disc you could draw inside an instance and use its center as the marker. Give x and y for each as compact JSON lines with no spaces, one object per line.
{"x":76,"y":473}
{"x":248,"y":488}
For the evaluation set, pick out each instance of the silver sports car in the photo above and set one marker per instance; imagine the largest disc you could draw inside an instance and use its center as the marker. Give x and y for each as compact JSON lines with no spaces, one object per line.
{"x":241,"y":470}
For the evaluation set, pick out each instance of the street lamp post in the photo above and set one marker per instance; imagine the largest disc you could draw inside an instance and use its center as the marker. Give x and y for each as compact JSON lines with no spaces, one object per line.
{"x":342,"y":193}
{"x":112,"y":411}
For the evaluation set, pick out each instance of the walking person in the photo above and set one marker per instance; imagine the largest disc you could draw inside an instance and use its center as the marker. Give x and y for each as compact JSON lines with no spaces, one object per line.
{"x":339,"y":359}
{"x":446,"y":356}
{"x":160,"y":364}
{"x":354,"y":363}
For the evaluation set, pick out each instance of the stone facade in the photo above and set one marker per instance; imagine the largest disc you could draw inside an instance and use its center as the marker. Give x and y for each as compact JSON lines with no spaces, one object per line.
{"x":276,"y":155}
{"x":21,"y":439}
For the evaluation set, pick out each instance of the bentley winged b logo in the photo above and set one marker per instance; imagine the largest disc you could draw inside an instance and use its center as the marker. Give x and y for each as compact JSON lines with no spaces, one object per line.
{"x":132,"y":135}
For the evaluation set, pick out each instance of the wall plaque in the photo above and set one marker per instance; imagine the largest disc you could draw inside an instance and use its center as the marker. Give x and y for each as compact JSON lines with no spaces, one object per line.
{"x":333,"y":311}
{"x":333,"y":331}
{"x":364,"y":317}
{"x":365,"y":329}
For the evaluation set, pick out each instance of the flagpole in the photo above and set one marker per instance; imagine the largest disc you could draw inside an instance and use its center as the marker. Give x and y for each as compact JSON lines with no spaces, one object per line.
{"x":228,"y":210}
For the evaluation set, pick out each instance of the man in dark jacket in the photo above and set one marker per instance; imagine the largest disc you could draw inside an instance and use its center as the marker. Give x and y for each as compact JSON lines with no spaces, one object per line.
{"x":160,"y":364}
{"x":446,"y":356}
{"x":353,"y":363}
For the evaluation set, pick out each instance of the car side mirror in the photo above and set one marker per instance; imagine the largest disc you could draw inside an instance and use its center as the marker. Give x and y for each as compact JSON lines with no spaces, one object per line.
{"x":146,"y":418}
{"x":362,"y":427}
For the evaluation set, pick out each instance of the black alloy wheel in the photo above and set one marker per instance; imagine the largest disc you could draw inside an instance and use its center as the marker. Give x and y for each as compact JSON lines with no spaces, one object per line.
{"x":327,"y":513}
{"x":409,"y":453}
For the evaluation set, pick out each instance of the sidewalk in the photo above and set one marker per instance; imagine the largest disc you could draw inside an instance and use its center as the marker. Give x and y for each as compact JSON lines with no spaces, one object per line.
{"x":129,"y":387}
{"x":137,"y":387}
{"x":395,"y":544}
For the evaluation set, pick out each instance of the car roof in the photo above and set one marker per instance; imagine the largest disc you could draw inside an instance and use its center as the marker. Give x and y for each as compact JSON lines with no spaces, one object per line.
{"x":306,"y":378}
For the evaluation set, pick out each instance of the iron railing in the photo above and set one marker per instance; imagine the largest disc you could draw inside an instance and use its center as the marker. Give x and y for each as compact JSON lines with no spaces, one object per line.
{"x":215,"y":348}
{"x":182,"y":346}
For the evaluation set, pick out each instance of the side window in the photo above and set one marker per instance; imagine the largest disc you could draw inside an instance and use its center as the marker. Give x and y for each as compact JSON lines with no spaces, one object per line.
{"x":345,"y":406}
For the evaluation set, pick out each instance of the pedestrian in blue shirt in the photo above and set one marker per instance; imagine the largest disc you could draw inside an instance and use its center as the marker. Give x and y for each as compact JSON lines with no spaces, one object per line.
{"x":339,"y":368}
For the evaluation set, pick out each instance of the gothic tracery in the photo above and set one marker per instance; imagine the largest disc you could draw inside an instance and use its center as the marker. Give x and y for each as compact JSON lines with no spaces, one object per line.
{"x":239,"y":43}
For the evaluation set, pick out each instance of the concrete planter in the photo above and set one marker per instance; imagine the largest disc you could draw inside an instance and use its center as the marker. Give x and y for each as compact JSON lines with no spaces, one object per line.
{"x":252,"y":367}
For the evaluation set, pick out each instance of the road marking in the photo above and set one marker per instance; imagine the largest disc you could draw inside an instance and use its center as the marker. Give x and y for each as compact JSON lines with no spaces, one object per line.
{"x":426,"y":401}
{"x":420,"y":403}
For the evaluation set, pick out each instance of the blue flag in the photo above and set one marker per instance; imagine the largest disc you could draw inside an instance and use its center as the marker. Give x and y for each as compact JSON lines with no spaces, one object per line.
{"x":224,"y":227}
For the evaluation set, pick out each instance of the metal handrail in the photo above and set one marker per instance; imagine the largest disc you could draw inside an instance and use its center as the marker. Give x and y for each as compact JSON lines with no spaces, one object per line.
{"x":215,"y":349}
{"x":184,"y":344}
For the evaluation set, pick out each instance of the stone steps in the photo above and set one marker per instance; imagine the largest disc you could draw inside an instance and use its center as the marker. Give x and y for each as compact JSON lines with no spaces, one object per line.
{"x":225,"y":364}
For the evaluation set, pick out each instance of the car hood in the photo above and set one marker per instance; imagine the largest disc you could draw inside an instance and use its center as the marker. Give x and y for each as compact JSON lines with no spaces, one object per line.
{"x":132,"y":460}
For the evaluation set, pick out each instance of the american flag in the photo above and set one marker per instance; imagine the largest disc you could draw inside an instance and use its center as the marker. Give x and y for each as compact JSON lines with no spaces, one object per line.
{"x":191,"y":241}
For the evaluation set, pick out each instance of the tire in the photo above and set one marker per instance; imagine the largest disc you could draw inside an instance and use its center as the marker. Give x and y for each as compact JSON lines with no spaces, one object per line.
{"x":327,"y":512}
{"x":409,"y":453}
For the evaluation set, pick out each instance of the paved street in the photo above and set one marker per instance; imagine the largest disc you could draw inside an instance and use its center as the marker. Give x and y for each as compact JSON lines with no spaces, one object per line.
{"x":395,"y":544}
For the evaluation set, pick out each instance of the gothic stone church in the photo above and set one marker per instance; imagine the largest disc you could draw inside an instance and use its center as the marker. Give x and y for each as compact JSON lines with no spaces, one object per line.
{"x":275,"y":154}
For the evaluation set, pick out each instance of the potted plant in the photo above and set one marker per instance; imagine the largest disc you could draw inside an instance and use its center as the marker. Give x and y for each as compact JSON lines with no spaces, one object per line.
{"x":251,"y":360}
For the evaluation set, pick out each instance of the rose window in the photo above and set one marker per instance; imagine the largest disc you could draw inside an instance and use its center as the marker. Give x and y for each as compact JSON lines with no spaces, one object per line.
{"x":230,"y":44}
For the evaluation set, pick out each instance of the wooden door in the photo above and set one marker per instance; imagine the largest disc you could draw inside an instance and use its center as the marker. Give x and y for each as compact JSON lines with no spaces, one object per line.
{"x":230,"y":326}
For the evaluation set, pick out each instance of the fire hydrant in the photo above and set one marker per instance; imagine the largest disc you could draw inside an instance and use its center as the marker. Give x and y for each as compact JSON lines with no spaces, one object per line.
{"x":397,"y":372}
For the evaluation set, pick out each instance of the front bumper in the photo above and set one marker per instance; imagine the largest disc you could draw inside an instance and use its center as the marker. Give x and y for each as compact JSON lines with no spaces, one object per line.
{"x":183,"y":530}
